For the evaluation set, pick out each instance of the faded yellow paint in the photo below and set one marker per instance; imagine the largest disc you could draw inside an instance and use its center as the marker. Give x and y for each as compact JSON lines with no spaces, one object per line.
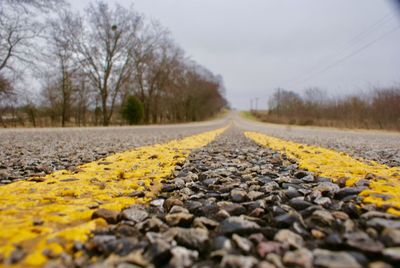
{"x":384,"y":190}
{"x":50,"y":213}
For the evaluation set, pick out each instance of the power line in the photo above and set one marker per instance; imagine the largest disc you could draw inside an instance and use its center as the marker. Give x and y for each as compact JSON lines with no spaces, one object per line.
{"x":372,"y":27}
{"x":355,"y":41}
{"x":358,"y":51}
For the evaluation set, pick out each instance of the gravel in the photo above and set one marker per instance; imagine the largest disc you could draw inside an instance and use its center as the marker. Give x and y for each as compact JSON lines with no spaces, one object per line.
{"x":241,"y":205}
{"x":35,"y":152}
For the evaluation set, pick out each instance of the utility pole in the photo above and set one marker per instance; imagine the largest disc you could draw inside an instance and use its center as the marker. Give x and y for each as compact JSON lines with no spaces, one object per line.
{"x":256,"y":103}
{"x":251,"y":105}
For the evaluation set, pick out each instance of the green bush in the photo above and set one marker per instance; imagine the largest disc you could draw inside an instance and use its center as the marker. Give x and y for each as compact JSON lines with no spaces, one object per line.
{"x":132,"y":110}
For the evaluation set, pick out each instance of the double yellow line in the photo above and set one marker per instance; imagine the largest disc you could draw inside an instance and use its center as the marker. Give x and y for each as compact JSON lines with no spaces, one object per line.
{"x":52,"y":212}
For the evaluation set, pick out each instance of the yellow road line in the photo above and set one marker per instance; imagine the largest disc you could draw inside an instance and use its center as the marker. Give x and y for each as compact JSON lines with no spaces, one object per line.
{"x":51,"y":213}
{"x":384,"y":190}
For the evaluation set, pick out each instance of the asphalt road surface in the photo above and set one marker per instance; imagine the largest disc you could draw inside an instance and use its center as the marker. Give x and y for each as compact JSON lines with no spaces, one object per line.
{"x":380,"y":146}
{"x":206,"y":200}
{"x":27,"y":152}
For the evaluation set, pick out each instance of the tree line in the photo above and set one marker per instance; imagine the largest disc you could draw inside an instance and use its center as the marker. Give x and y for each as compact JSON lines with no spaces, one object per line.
{"x":376,"y":109}
{"x":88,"y":64}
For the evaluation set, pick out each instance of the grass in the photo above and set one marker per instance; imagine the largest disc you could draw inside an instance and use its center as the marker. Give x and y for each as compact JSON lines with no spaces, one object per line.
{"x":248,"y":115}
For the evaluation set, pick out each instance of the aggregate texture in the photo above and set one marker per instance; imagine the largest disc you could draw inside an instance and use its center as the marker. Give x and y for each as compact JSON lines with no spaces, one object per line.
{"x":25,"y":153}
{"x":382,"y":182}
{"x":235,"y":203}
{"x":45,"y":215}
{"x":380,"y":146}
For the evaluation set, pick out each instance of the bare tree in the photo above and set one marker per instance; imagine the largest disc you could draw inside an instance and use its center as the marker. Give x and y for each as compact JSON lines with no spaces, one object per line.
{"x":103,"y":45}
{"x":61,"y":61}
{"x":43,"y":5}
{"x":19,"y":29}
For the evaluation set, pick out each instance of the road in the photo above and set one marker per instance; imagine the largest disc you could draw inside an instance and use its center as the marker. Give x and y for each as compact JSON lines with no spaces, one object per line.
{"x":380,"y":146}
{"x":230,"y":192}
{"x":27,"y":152}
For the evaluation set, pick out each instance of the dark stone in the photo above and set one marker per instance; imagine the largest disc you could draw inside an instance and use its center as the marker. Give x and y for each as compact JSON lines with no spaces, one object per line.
{"x":193,"y":238}
{"x":285,"y":220}
{"x":237,"y":225}
{"x":179,"y":219}
{"x":159,"y":252}
{"x":137,"y":194}
{"x":125,"y":230}
{"x":361,"y":241}
{"x":299,"y":204}
{"x":170,"y":202}
{"x":193,"y":206}
{"x":264,"y":180}
{"x":348,"y":191}
{"x":334,"y":240}
{"x":110,"y":216}
{"x":301,"y":174}
{"x":232,"y":208}
{"x":292,"y":193}
{"x":351,"y":209}
{"x":152,"y":224}
{"x":168,"y":188}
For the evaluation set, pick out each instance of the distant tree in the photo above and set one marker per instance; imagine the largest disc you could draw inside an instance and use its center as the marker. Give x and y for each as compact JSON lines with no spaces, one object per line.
{"x":6,"y":88}
{"x":31,"y":111}
{"x":132,"y":110}
{"x":285,"y":102}
{"x":103,"y":41}
{"x":62,"y":67}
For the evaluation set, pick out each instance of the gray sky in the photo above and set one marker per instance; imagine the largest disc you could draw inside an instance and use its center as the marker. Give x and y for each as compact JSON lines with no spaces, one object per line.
{"x":258,"y":45}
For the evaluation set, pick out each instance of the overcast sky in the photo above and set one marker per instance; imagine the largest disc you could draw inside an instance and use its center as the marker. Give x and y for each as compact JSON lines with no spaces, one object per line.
{"x":342,"y":46}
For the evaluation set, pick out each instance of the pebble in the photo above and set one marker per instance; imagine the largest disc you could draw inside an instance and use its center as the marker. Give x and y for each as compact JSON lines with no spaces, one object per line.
{"x":109,"y":215}
{"x":393,"y":254}
{"x":234,"y":261}
{"x":236,"y":204}
{"x":299,"y":258}
{"x":331,"y":259}
{"x":179,"y":219}
{"x":183,"y":257}
{"x":322,"y":217}
{"x":237,"y":225}
{"x":289,"y":237}
{"x":193,"y":238}
{"x":134,"y":214}
{"x":238,"y":196}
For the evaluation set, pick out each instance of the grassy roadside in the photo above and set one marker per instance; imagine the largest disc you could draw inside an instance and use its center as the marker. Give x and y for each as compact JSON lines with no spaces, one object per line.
{"x":249,"y":115}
